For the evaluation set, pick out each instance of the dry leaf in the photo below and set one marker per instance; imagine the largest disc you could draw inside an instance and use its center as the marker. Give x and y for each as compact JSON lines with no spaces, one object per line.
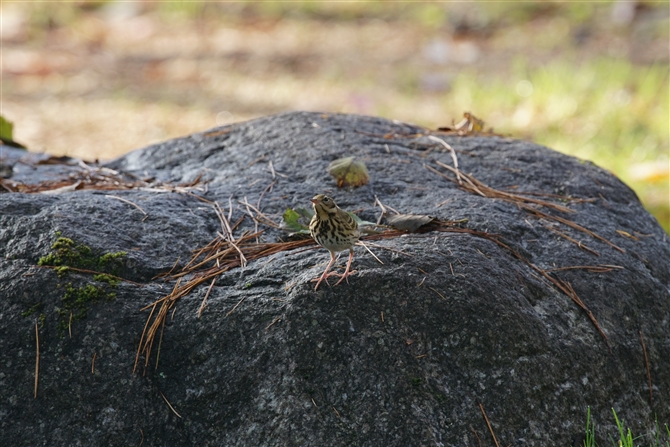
{"x":408,"y":222}
{"x":628,"y":235}
{"x":469,"y":125}
{"x":349,"y":171}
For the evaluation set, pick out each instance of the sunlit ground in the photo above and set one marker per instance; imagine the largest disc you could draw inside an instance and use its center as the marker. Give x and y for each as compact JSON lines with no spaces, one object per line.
{"x":96,"y":80}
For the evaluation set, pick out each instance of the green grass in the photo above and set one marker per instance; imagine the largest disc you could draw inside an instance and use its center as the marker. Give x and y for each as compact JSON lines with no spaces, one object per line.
{"x":610,"y":112}
{"x":626,"y":438}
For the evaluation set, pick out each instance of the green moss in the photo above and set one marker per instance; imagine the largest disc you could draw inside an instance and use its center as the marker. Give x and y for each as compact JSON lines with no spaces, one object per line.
{"x":66,"y":256}
{"x":416,"y":381}
{"x":109,"y":279}
{"x":66,"y":253}
{"x":76,"y":301}
{"x":112,"y":258}
{"x":62,"y":270}
{"x":42,"y":319}
{"x":32,"y":309}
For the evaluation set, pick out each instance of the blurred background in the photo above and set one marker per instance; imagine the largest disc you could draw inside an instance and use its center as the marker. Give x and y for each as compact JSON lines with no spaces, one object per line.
{"x":96,"y":79}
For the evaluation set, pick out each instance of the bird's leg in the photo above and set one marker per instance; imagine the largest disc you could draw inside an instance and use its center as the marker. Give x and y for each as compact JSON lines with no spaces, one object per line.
{"x":325,"y":272}
{"x":347,"y":271}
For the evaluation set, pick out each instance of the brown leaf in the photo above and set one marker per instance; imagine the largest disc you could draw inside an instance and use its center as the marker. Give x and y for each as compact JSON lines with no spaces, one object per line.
{"x":469,"y":125}
{"x":349,"y":171}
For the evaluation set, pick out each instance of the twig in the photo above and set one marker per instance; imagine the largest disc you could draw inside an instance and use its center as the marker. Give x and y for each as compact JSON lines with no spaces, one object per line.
{"x":37,"y":359}
{"x":128,"y":202}
{"x":204,"y":300}
{"x":260,"y":217}
{"x":272,"y":169}
{"x":600,"y":268}
{"x":441,"y":296}
{"x":252,"y":218}
{"x":570,"y":224}
{"x":256,"y":160}
{"x":228,"y":233}
{"x":169,"y":405}
{"x":235,"y":307}
{"x":146,"y":326}
{"x":273,"y":322}
{"x":386,"y":248}
{"x":337,"y":412}
{"x":93,"y":363}
{"x":267,"y":189}
{"x":453,"y":155}
{"x":160,"y":340}
{"x":481,"y":407}
{"x":92,"y":272}
{"x":369,"y":251}
{"x":566,"y":288}
{"x":383,"y":208}
{"x":230,"y":208}
{"x":646,"y":364}
{"x":476,"y":436}
{"x":574,"y":241}
{"x":472,"y":186}
{"x":161,"y":275}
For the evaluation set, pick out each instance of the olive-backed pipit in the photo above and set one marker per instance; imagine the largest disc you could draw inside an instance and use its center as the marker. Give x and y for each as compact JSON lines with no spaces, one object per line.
{"x":335,"y":230}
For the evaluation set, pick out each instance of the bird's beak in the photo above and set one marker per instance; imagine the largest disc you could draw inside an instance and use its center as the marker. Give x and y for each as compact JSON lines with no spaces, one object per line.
{"x":314,"y":201}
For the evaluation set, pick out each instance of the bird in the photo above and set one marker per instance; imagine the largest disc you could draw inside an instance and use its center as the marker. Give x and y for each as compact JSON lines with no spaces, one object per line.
{"x":335,"y":230}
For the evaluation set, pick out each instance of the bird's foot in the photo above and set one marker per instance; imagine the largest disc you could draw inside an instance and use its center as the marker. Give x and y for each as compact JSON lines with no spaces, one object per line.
{"x":324,"y":278}
{"x":344,"y":276}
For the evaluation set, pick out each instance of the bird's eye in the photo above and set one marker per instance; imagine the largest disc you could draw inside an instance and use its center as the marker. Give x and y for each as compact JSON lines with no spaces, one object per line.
{"x":326,"y":200}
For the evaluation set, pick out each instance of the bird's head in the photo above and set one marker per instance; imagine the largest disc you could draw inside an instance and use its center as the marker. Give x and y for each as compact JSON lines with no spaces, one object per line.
{"x":323,"y":204}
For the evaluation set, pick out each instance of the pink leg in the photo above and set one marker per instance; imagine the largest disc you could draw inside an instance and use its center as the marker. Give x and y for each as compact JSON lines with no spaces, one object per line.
{"x":325,"y":272}
{"x":347,"y":271}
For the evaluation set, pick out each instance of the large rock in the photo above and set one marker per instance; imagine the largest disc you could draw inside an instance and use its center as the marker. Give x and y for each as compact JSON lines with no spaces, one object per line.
{"x":402,"y":355}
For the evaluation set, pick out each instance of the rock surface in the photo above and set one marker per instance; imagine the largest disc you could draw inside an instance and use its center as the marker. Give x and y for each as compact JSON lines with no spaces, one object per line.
{"x":402,"y":355}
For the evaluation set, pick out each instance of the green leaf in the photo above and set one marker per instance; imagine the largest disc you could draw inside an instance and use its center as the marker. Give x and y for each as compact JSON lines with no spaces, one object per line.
{"x":292,"y":222}
{"x":6,"y":129}
{"x":349,"y":171}
{"x":6,"y":134}
{"x":307,"y":213}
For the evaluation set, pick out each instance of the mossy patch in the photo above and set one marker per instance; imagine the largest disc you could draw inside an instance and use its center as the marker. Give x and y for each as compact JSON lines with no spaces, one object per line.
{"x":66,"y":253}
{"x":32,"y":309}
{"x":76,"y":301}
{"x":109,"y":279}
{"x":66,"y":257}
